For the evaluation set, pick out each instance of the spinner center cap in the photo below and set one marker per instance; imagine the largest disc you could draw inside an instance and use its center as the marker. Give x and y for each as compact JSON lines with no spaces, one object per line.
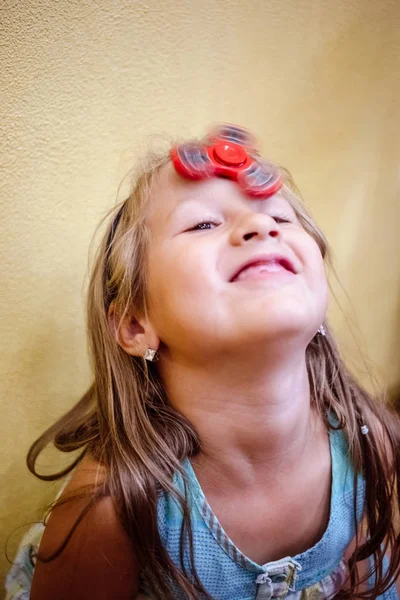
{"x":230,"y":154}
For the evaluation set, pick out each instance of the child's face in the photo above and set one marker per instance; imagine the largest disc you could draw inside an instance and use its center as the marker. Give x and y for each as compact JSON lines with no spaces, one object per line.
{"x":196,"y":304}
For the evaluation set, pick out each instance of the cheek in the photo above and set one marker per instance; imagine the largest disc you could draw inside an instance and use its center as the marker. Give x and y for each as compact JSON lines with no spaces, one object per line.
{"x":317,"y":274}
{"x":177,"y":283}
{"x":314,"y":267}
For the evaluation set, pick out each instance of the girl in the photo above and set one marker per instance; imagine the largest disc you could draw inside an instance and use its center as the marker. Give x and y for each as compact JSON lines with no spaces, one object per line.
{"x":245,"y":462}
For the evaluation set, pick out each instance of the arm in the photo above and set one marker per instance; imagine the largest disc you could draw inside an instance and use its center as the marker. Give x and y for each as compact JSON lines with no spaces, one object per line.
{"x":98,"y":562}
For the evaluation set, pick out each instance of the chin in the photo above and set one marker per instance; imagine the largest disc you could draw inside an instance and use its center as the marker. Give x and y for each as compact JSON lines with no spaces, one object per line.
{"x":288,"y":312}
{"x":280,"y":323}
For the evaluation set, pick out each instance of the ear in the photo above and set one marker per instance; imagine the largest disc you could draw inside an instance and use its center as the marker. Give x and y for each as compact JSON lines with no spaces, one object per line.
{"x":134,"y":336}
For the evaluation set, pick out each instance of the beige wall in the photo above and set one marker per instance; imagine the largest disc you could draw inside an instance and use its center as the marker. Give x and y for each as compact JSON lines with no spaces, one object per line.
{"x":85,"y":83}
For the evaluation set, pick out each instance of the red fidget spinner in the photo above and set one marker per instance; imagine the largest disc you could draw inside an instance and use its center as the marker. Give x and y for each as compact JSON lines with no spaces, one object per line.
{"x":228,"y":152}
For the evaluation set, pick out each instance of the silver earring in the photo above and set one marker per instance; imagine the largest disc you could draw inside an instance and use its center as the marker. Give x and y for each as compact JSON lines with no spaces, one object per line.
{"x":150,"y":355}
{"x":364,"y":429}
{"x":322,"y":330}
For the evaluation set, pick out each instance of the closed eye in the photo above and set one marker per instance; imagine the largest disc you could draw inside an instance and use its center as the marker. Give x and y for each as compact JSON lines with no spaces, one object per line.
{"x":204,"y":225}
{"x":281,"y":219}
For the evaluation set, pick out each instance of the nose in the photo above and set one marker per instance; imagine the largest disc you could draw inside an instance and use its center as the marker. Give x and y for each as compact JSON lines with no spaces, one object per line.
{"x":254,"y":226}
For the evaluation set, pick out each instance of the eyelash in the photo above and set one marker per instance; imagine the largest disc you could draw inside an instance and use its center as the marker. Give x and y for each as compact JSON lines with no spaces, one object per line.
{"x":199,"y":226}
{"x":279,"y":219}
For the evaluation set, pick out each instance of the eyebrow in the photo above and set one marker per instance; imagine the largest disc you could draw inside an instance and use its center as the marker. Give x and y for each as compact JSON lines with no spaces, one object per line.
{"x":182,"y":202}
{"x":277,"y":200}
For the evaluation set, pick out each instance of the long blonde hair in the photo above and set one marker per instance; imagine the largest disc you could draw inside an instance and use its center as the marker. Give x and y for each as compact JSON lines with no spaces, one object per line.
{"x":127,"y":424}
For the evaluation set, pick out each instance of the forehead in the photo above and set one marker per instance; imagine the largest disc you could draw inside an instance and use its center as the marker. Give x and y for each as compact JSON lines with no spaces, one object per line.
{"x":171,"y":193}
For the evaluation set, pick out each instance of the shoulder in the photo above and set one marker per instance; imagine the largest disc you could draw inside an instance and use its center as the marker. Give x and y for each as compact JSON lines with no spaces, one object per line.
{"x":98,"y":560}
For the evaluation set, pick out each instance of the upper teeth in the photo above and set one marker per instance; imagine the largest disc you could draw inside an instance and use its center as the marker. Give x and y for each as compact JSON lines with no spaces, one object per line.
{"x":271,"y":266}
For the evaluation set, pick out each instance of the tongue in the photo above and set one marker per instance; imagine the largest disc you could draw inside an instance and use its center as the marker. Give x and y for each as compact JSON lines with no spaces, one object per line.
{"x":258,"y":270}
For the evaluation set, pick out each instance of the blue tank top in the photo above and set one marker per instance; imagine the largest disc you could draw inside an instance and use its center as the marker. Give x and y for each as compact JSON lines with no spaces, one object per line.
{"x":227,"y":574}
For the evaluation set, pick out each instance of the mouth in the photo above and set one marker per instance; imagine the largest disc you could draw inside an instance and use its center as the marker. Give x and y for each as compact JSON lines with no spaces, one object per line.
{"x":261,"y":266}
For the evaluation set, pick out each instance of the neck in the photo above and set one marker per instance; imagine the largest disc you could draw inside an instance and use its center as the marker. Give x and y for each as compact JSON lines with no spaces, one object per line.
{"x":251,"y":418}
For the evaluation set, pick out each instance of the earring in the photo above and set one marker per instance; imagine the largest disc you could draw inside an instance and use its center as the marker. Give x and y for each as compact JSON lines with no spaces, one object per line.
{"x":150,"y":355}
{"x":322,"y":330}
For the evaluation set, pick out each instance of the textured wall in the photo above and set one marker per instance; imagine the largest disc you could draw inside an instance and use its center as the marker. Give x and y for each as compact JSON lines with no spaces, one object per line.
{"x":83,"y":85}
